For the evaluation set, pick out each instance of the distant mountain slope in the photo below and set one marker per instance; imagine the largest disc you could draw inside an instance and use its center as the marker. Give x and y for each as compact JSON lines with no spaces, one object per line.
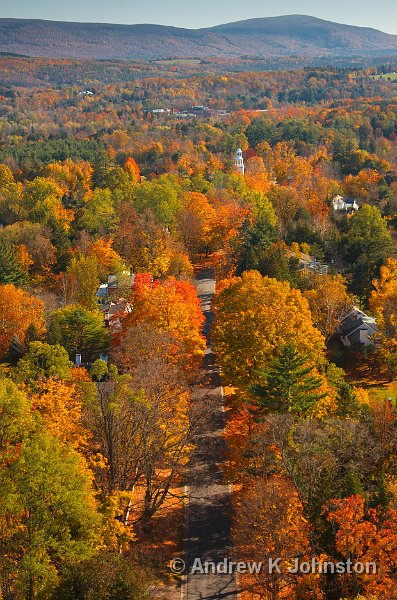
{"x":293,"y":35}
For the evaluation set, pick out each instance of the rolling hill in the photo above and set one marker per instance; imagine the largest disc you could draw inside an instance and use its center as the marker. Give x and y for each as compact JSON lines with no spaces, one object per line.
{"x":293,"y":35}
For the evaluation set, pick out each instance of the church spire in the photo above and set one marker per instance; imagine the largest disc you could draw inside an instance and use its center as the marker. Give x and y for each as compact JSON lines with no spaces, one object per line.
{"x":239,"y":161}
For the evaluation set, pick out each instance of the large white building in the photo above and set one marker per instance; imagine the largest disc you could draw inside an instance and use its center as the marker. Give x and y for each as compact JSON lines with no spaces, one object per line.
{"x":239,"y":161}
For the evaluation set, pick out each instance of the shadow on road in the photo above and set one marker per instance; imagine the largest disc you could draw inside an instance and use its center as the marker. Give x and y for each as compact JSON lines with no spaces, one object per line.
{"x":210,"y":499}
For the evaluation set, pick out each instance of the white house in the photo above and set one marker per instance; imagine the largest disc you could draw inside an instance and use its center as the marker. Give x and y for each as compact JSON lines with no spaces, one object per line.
{"x":346,"y":204}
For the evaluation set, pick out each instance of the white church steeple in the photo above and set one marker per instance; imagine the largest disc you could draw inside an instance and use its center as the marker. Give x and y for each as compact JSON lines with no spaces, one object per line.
{"x":239,"y":161}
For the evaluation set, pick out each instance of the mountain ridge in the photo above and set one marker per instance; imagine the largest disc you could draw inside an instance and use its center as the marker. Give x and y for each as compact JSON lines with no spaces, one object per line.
{"x":288,"y":35}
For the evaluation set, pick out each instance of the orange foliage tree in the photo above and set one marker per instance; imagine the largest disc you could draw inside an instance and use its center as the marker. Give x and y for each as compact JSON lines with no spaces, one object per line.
{"x":195,"y":221}
{"x":19,"y":311}
{"x":256,"y":175}
{"x":366,"y":536}
{"x":270,"y":525}
{"x":363,"y":186}
{"x":171,"y":306}
{"x":132,"y":169}
{"x":107,"y":258}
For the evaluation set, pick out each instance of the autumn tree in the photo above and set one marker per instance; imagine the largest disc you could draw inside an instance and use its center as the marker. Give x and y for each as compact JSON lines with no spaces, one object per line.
{"x":74,"y":178}
{"x":114,"y":419}
{"x":256,"y":175}
{"x":43,"y":200}
{"x":131,"y":167}
{"x":15,"y":419}
{"x":328,"y":301}
{"x":121,"y":183}
{"x":254,"y":316}
{"x":145,"y":342}
{"x":328,"y":458}
{"x":270,"y":524}
{"x":7,"y":179}
{"x":173,"y":307}
{"x":107,"y":259}
{"x":142,"y":242}
{"x":364,"y":186}
{"x":180,"y":266}
{"x":12,"y":208}
{"x":383,"y":302}
{"x":19,"y":311}
{"x":141,"y":423}
{"x":36,"y":239}
{"x":194,"y":222}
{"x":60,"y":405}
{"x":83,"y":274}
{"x":367,"y":536}
{"x":230,"y":216}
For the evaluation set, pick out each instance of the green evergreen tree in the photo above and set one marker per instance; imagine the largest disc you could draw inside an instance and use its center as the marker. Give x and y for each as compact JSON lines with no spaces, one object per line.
{"x":11,"y":270}
{"x":15,"y":351}
{"x":31,"y":334}
{"x":368,"y":243}
{"x":279,"y":265}
{"x":256,"y":240}
{"x":288,"y":385}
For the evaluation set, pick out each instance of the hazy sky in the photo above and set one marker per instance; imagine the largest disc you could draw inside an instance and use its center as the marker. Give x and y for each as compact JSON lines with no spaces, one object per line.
{"x":203,"y":13}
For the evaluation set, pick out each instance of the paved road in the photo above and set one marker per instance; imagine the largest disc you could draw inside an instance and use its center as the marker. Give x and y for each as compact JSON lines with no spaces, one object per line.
{"x":209,"y":513}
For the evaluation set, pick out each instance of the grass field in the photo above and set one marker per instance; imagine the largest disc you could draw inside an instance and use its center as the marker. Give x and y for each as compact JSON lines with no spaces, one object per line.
{"x":386,"y":76}
{"x":178,"y":61}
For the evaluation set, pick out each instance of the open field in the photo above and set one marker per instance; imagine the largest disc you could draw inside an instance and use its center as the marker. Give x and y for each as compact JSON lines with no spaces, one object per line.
{"x":386,"y":76}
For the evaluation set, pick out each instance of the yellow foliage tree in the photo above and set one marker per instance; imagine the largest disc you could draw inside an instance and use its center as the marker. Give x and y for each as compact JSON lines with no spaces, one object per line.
{"x":74,"y":178}
{"x":328,"y":301}
{"x":60,"y":405}
{"x":255,"y":315}
{"x":106,"y":257}
{"x":383,"y":302}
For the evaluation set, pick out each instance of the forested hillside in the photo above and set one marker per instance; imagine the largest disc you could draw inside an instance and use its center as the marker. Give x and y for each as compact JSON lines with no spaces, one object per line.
{"x":293,"y":35}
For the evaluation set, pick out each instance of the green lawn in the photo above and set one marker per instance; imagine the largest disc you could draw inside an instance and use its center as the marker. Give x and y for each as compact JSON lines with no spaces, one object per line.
{"x":386,"y":76}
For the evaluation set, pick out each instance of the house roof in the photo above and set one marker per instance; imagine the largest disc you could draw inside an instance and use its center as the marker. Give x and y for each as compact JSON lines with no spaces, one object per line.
{"x":102,"y":290}
{"x":356,"y":320}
